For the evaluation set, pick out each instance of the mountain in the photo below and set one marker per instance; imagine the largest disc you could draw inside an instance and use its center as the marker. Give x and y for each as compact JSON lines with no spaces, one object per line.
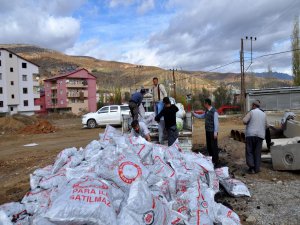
{"x":111,"y":74}
{"x":281,"y":76}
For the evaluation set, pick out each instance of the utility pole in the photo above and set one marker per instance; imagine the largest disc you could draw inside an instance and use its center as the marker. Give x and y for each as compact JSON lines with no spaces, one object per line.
{"x":243,"y":83}
{"x":134,"y":79}
{"x":174,"y":83}
{"x":242,"y":62}
{"x":251,"y":39}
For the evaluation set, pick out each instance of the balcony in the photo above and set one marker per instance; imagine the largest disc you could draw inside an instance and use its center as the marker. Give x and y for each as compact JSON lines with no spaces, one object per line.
{"x":36,"y":94}
{"x":77,"y":94}
{"x":53,"y":96}
{"x":77,"y":84}
{"x":54,"y":87}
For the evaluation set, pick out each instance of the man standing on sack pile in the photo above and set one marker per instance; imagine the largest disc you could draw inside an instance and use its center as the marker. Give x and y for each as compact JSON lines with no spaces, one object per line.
{"x":169,"y":113}
{"x":256,"y":124}
{"x":159,"y":93}
{"x":211,"y":130}
{"x":134,"y":103}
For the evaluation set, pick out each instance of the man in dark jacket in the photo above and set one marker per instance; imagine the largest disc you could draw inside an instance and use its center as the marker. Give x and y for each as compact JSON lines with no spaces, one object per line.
{"x":211,"y":130}
{"x":169,"y":114}
{"x":134,"y":103}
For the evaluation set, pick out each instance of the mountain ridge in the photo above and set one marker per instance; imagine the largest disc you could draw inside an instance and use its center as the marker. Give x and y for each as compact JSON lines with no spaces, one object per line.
{"x":127,"y":76}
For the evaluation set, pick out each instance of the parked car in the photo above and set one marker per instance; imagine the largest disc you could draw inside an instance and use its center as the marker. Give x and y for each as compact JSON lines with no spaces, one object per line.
{"x":111,"y":114}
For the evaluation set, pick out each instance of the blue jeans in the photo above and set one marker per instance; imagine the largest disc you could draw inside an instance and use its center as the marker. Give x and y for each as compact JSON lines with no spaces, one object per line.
{"x":158,"y":107}
{"x":161,"y":125}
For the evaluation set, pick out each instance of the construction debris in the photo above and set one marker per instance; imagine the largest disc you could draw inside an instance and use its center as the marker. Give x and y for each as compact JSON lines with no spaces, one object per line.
{"x":25,"y":125}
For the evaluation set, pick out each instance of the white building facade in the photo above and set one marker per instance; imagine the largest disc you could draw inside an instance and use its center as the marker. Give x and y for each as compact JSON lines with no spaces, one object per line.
{"x":19,"y":85}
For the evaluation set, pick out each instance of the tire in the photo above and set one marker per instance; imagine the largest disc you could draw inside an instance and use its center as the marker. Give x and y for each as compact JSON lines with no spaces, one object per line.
{"x":91,"y":123}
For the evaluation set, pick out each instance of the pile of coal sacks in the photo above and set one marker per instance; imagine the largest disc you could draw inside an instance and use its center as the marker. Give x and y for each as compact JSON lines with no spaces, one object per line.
{"x":124,"y":180}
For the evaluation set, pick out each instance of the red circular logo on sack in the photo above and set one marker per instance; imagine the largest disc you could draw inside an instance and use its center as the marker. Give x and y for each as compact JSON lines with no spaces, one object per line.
{"x":129,"y":171}
{"x":148,"y":217}
{"x":204,"y":204}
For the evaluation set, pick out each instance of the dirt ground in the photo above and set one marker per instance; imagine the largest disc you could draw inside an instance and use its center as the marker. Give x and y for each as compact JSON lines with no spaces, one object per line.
{"x":275,"y":195}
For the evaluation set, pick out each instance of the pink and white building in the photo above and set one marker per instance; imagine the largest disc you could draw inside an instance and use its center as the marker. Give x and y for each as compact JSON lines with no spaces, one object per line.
{"x":71,"y":92}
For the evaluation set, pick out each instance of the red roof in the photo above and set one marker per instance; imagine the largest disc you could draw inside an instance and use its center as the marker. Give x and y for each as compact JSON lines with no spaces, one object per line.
{"x":69,"y":73}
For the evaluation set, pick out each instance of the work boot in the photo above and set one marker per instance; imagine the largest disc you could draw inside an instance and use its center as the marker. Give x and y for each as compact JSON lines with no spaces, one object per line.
{"x":251,"y":170}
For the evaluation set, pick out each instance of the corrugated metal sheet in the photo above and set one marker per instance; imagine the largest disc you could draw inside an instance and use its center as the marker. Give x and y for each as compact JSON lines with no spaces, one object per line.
{"x":275,"y":99}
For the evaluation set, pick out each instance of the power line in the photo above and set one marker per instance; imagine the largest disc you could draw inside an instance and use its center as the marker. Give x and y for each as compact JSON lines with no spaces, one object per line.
{"x":282,"y":13}
{"x":276,"y":53}
{"x":236,"y":61}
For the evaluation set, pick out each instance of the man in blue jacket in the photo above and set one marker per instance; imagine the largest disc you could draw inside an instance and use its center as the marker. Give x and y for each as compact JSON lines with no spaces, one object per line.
{"x":134,"y":103}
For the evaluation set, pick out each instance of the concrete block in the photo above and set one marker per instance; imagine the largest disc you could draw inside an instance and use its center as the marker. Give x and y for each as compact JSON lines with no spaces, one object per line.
{"x":286,"y":157}
{"x":292,"y":129}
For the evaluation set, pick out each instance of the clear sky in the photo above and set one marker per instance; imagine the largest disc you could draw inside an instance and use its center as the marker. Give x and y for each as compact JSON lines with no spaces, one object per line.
{"x":183,"y":34}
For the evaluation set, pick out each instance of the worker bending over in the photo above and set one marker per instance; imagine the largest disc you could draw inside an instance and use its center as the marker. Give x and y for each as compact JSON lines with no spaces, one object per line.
{"x":140,"y":129}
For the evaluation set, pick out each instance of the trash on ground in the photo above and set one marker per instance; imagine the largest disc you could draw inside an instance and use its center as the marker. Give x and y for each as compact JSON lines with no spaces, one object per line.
{"x":31,"y":145}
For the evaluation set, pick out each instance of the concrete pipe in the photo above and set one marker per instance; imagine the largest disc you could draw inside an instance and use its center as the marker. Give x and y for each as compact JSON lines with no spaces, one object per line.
{"x":243,"y":137}
{"x":238,"y":135}
{"x":282,"y":141}
{"x":232,"y":134}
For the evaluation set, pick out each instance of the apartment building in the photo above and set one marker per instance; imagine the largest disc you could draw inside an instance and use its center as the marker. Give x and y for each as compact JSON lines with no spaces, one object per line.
{"x":19,"y":85}
{"x":71,"y":92}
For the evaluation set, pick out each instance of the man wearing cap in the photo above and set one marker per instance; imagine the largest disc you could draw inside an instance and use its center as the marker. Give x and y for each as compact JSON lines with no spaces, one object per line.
{"x":134,"y":103}
{"x":256,"y":124}
{"x":169,"y":114}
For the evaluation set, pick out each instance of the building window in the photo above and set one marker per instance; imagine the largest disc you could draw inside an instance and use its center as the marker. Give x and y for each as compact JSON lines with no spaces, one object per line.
{"x":1,"y":103}
{"x":1,"y":90}
{"x":25,"y":91}
{"x":61,"y":92}
{"x":24,"y":65}
{"x":11,"y":108}
{"x":11,"y":69}
{"x":12,"y":96}
{"x":0,"y":62}
{"x":0,"y":76}
{"x":61,"y":102}
{"x":10,"y":55}
{"x":24,"y":77}
{"x":25,"y":102}
{"x":11,"y":83}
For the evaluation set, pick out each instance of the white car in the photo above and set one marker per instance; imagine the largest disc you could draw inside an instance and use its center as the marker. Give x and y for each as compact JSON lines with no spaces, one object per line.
{"x":111,"y":114}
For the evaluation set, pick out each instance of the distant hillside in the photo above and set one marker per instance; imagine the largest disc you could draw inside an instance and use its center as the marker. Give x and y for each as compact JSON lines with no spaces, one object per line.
{"x":281,"y":76}
{"x":111,"y":74}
